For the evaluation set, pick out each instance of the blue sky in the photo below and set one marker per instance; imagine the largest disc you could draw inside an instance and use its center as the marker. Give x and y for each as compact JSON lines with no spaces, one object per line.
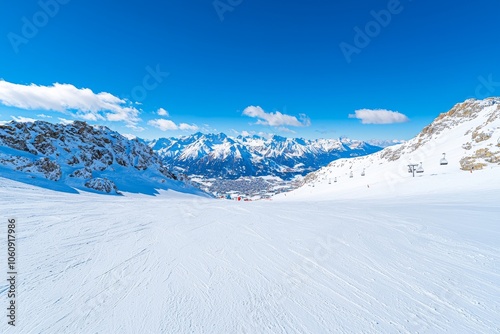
{"x":295,"y":68}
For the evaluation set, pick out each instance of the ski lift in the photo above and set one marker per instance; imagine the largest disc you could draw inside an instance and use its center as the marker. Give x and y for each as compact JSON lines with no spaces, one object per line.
{"x":363,"y":173}
{"x":350,"y":175}
{"x":420,"y":169}
{"x":335,"y":180}
{"x":443,"y":161}
{"x":412,"y":168}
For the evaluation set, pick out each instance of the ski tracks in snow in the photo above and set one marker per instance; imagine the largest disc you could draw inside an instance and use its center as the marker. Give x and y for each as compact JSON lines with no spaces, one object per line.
{"x":103,"y":264}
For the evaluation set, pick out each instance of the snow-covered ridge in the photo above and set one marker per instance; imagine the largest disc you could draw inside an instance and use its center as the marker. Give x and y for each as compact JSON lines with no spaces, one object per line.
{"x":81,"y":156}
{"x":467,"y":137}
{"x":218,"y":155}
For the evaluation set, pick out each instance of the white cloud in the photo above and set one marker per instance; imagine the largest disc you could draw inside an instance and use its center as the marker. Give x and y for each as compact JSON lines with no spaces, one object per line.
{"x":67,"y":98}
{"x":22,"y":119}
{"x":276,"y":119}
{"x":135,"y":127}
{"x":208,"y":129}
{"x":43,"y":116}
{"x":306,"y":121}
{"x":168,"y":125}
{"x":284,"y":129}
{"x":64,"y":121}
{"x":162,"y":112}
{"x":185,"y":126}
{"x":90,"y":117}
{"x":265,"y":135}
{"x":163,"y":124}
{"x":379,"y":116}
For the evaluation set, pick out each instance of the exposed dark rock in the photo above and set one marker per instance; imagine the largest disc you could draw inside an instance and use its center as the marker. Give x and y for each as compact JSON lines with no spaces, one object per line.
{"x":102,"y":185}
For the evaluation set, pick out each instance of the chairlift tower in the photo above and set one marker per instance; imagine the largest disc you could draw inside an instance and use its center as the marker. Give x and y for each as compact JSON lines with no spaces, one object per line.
{"x":412,"y":168}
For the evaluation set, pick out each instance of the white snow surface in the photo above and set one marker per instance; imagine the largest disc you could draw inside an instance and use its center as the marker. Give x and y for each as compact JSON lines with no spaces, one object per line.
{"x":175,"y":263}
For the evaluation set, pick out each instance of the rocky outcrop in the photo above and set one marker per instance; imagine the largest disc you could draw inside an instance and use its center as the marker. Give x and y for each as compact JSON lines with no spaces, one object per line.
{"x":480,"y":159}
{"x":45,"y":167}
{"x":82,"y":150}
{"x":83,"y":173}
{"x":102,"y":185}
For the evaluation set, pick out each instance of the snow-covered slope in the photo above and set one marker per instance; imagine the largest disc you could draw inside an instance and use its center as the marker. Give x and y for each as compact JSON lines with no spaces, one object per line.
{"x":469,"y":135}
{"x":81,"y":156}
{"x":176,"y":264}
{"x":217,"y":155}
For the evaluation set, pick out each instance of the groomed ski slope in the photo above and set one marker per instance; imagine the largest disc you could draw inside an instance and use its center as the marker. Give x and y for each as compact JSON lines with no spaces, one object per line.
{"x":423,"y":262}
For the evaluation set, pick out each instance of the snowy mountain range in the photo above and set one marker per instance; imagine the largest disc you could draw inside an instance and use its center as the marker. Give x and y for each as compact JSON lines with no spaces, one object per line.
{"x":462,"y":141}
{"x":96,"y":158}
{"x":218,"y":155}
{"x":82,"y":156}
